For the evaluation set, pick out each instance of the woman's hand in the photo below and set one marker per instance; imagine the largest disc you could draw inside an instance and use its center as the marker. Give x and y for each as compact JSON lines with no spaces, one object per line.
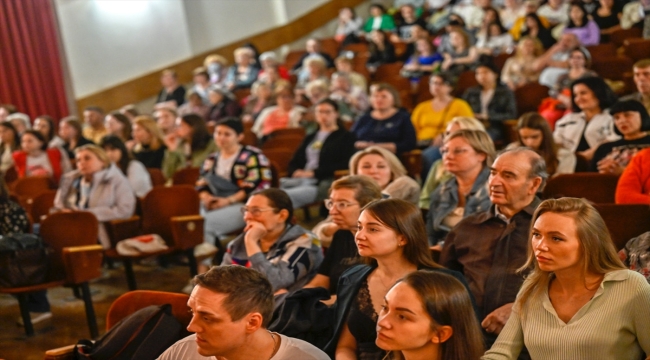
{"x":254,"y":231}
{"x":171,"y":141}
{"x":609,"y":166}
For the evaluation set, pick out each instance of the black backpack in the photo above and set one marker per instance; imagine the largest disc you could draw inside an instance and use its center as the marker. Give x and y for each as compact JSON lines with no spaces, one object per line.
{"x":24,"y":260}
{"x":143,"y":335}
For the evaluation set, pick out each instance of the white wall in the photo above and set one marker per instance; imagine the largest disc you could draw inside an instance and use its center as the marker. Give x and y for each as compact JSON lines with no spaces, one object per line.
{"x":107,"y":42}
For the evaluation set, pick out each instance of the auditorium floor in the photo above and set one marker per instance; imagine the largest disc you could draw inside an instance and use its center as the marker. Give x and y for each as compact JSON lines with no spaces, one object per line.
{"x":68,"y":323}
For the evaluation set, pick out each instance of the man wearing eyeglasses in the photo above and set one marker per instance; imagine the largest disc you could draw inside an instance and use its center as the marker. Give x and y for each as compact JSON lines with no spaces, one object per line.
{"x":286,"y":253}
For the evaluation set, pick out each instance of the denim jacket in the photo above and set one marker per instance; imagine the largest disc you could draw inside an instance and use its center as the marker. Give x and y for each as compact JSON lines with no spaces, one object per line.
{"x":445,"y":199}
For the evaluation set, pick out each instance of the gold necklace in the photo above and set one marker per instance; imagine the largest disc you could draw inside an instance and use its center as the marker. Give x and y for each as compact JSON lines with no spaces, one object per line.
{"x":275,"y":345}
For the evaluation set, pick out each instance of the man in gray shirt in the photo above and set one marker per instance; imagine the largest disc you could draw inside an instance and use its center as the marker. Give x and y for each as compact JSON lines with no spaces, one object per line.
{"x":231,"y":307}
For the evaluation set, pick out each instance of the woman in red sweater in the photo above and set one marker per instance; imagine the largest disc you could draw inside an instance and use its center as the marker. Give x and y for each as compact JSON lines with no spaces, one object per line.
{"x":634,"y":184}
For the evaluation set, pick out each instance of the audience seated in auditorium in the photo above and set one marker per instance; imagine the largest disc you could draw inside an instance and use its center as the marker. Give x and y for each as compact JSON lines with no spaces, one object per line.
{"x":35,"y":159}
{"x":642,"y":80}
{"x":437,"y":174}
{"x":522,"y":69}
{"x":268,"y":60}
{"x":70,"y":131}
{"x":240,"y":301}
{"x":392,"y":238}
{"x":347,"y":197}
{"x":555,"y":61}
{"x":439,"y":12}
{"x":381,"y":50}
{"x":386,"y":169}
{"x":172,"y":93}
{"x":488,"y":246}
{"x":20,"y":121}
{"x":286,"y":114}
{"x":585,"y":29}
{"x":422,"y":62}
{"x":149,"y":147}
{"x":314,"y":68}
{"x":202,"y":83}
{"x":94,"y":129}
{"x":460,"y":55}
{"x":386,"y":124}
{"x":192,"y":140}
{"x":134,"y":171}
{"x":409,"y":19}
{"x":348,"y":27}
{"x":98,"y":187}
{"x":288,"y":254}
{"x":378,"y":20}
{"x":632,"y":122}
{"x":559,"y":103}
{"x":555,"y":11}
{"x":536,"y":30}
{"x":9,"y":142}
{"x":573,"y":294}
{"x":432,"y":116}
{"x":166,"y":119}
{"x":344,"y":65}
{"x":634,"y":184}
{"x":495,"y":41}
{"x":228,"y":177}
{"x":511,"y":11}
{"x":311,"y":169}
{"x":343,"y":91}
{"x":468,"y":156}
{"x":243,"y":73}
{"x":491,"y":101}
{"x":428,"y":315}
{"x":217,"y":67}
{"x":607,"y":16}
{"x":45,"y":125}
{"x":534,"y":133}
{"x":312,"y":47}
{"x":118,"y":125}
{"x":519,"y":25}
{"x":221,"y":105}
{"x":193,"y":105}
{"x":589,"y":125}
{"x":260,"y":98}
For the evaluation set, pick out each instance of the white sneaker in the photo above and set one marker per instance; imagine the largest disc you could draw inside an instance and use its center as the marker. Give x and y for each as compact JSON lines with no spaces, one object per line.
{"x":37,"y":317}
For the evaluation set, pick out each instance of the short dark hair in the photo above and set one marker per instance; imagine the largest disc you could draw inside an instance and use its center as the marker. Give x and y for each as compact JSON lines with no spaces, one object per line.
{"x":38,"y":136}
{"x":329,"y":102}
{"x":233,"y":123}
{"x":605,"y":95}
{"x":246,"y":290}
{"x":631,"y":105}
{"x":114,"y":142}
{"x":279,"y":200}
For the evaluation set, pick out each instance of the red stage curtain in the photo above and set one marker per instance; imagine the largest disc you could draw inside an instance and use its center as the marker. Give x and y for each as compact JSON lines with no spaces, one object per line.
{"x":31,"y":77}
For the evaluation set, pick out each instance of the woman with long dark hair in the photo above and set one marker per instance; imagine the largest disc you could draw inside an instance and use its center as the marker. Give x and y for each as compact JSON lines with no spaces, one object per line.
{"x":533,"y":132}
{"x":194,"y":141}
{"x":134,"y":171}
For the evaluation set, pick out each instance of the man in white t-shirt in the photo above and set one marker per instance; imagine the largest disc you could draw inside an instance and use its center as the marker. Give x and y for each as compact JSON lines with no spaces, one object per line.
{"x":231,"y":307}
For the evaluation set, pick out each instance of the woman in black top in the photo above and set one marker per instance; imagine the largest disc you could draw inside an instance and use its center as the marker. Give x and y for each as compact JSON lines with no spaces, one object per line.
{"x":348,"y":196}
{"x":535,"y":28}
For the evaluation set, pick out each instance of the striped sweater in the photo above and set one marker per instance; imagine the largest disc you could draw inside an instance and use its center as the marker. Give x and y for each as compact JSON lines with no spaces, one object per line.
{"x":614,"y":324}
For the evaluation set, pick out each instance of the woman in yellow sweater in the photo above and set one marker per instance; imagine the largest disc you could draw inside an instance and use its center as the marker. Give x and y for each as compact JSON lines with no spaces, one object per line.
{"x":430,"y":118}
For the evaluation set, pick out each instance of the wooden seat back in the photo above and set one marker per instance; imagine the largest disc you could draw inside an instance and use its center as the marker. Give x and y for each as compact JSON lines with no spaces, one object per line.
{"x":625,"y":221}
{"x":157,"y":177}
{"x":163,"y":203}
{"x":186,"y":176}
{"x":133,"y":301}
{"x":595,"y":187}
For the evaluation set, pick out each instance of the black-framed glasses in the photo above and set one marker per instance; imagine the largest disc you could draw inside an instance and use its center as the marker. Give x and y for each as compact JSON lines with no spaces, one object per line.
{"x":254,"y":210}
{"x":340,"y":205}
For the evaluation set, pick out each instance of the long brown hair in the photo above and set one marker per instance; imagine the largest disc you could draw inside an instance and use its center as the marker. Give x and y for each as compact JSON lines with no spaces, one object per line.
{"x":447,"y":302}
{"x":596,"y":245}
{"x":548,"y":149}
{"x":405,"y":219}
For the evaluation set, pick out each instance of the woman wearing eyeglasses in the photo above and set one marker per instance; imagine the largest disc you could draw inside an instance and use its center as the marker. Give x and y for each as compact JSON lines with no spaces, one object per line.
{"x":347,"y":196}
{"x":467,"y":155}
{"x":287,"y":254}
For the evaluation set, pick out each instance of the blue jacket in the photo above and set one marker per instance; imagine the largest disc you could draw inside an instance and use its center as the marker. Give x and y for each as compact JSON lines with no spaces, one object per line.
{"x":445,"y":199}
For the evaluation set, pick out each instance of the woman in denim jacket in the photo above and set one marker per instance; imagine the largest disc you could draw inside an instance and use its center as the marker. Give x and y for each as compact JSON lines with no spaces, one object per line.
{"x":467,"y":154}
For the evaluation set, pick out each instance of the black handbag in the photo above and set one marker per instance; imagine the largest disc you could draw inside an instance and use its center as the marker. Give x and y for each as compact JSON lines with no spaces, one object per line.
{"x":24,"y":260}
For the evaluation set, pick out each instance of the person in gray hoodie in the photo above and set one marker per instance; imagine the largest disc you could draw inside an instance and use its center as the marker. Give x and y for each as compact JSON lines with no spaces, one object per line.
{"x":287,"y":254}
